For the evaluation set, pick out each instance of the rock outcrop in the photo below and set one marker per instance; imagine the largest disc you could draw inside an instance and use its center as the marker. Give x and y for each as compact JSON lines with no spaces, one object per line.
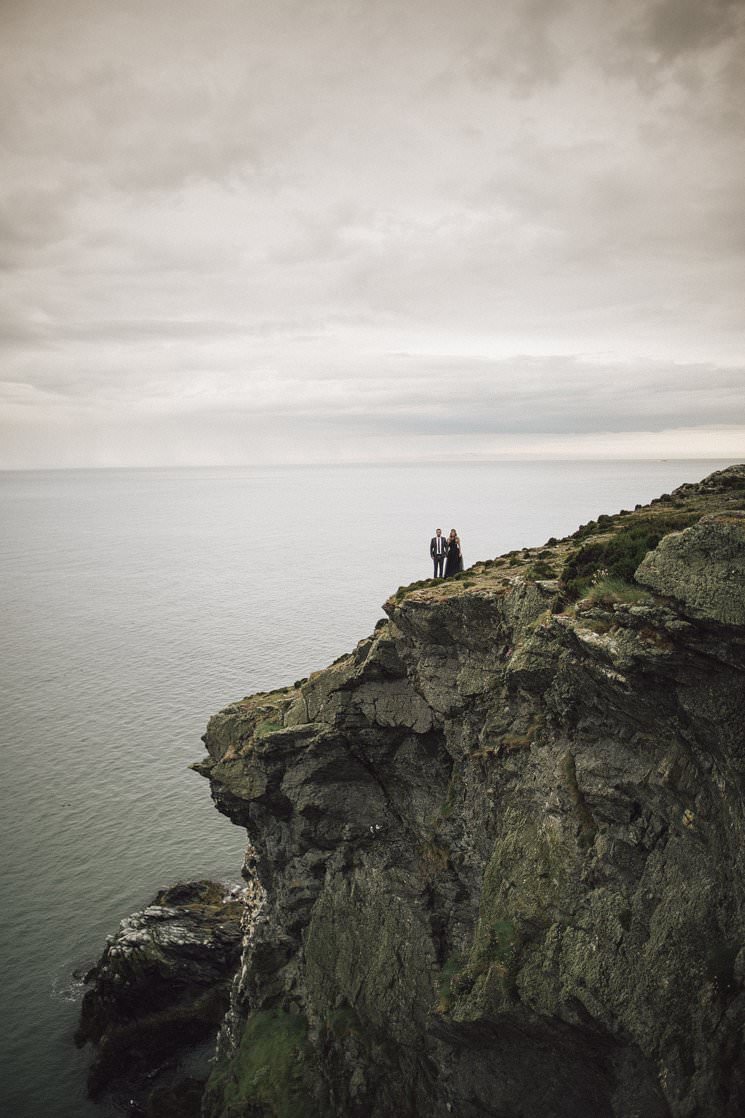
{"x":501,"y":842}
{"x":703,"y":569}
{"x":162,"y":983}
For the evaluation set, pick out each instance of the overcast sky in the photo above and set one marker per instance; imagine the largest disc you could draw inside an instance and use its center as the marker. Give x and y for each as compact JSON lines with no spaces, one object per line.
{"x":331,"y":230}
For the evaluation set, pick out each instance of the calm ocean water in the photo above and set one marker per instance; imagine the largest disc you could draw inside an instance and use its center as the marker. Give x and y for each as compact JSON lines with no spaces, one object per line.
{"x":135,"y":603}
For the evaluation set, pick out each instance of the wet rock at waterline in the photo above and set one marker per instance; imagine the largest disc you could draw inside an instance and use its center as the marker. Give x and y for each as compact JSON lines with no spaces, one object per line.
{"x":161,"y":986}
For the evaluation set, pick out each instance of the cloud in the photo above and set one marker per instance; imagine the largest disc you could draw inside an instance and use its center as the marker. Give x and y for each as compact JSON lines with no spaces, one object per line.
{"x":679,"y":27}
{"x":411,"y":395}
{"x":255,"y":211}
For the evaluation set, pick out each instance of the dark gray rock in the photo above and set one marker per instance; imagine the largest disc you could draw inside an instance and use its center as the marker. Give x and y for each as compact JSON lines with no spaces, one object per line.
{"x":162,"y":983}
{"x":501,"y":852}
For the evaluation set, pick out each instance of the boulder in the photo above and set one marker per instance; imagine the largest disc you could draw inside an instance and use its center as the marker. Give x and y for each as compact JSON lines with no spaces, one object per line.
{"x":162,"y":983}
{"x":703,"y":569}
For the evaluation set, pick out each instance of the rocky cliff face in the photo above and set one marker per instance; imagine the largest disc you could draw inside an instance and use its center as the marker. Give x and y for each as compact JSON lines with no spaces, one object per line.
{"x":497,"y":850}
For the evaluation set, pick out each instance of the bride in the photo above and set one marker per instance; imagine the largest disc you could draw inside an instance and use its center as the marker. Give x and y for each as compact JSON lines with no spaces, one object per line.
{"x":454,"y":561}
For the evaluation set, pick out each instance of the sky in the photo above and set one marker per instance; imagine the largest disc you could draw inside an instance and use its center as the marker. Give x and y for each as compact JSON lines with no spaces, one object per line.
{"x":267,"y":231}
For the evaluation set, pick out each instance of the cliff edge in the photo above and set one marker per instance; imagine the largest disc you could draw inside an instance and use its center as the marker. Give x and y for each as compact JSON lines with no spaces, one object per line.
{"x":496,"y":851}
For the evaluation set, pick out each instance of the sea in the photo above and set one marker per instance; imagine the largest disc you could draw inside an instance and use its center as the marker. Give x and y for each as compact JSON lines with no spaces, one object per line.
{"x":136,"y":603}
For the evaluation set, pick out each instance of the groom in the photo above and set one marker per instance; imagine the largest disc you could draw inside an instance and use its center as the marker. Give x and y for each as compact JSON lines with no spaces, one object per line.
{"x":437,"y":549}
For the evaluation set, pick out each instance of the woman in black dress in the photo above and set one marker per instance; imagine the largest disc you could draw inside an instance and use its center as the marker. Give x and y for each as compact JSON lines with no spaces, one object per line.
{"x":454,"y":561}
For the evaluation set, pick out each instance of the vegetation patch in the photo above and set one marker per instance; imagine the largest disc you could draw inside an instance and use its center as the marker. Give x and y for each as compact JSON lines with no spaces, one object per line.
{"x":268,"y":1070}
{"x":728,"y":481}
{"x":421,"y":584}
{"x":268,"y":726}
{"x":619,"y":555}
{"x":541,"y":569}
{"x":445,"y":982}
{"x":453,"y":796}
{"x":584,"y":530}
{"x":495,"y":942}
{"x":613,"y":591}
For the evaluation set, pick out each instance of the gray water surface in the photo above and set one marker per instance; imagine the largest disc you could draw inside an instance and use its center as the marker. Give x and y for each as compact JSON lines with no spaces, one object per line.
{"x":134,"y":604}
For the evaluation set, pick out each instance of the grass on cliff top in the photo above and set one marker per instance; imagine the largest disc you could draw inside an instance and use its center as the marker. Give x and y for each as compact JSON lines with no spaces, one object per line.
{"x":421,"y":584}
{"x":617,"y":556}
{"x":462,"y":578}
{"x":608,"y":548}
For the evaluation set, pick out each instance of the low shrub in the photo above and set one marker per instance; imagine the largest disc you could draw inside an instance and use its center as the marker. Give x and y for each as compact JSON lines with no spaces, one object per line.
{"x":610,"y":591}
{"x":541,"y":569}
{"x":620,"y":555}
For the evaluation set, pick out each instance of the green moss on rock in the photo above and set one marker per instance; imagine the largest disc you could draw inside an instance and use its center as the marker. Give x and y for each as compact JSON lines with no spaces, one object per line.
{"x":268,"y":1075}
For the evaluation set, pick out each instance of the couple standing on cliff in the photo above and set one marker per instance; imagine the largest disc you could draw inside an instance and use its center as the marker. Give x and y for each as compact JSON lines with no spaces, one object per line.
{"x":447,"y":552}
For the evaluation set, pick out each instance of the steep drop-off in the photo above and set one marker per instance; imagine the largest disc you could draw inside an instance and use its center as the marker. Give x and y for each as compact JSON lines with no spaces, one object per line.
{"x":497,"y":850}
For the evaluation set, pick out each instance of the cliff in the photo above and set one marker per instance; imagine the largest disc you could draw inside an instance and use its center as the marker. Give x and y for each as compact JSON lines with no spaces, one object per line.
{"x":496,"y":851}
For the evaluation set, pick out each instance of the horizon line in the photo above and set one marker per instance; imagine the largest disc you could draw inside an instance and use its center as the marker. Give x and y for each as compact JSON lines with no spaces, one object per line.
{"x":472,"y":461}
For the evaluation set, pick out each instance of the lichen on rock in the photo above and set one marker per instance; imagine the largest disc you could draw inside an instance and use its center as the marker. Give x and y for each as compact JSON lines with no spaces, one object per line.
{"x":501,"y":842}
{"x":703,"y":568}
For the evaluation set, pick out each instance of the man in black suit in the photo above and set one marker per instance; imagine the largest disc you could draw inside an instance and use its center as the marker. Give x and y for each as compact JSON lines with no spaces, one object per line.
{"x":437,"y":550}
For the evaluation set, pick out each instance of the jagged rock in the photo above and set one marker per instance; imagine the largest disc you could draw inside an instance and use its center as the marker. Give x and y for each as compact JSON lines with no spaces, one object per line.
{"x":703,"y":568}
{"x":501,"y":844}
{"x":162,"y":983}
